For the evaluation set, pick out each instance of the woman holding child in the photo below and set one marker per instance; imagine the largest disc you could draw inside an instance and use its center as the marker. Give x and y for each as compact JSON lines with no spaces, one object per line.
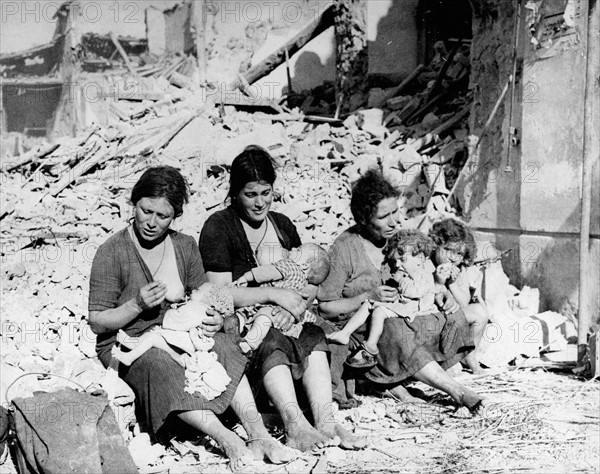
{"x":422,"y":347}
{"x":242,"y":237}
{"x":135,"y":274}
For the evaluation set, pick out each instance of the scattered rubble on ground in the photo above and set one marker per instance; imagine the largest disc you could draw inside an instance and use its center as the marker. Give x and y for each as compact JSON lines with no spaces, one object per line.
{"x":61,"y":200}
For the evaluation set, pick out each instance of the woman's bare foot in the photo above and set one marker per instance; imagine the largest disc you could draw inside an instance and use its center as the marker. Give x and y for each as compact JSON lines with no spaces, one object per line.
{"x":401,"y":394}
{"x":122,"y":357}
{"x":347,"y":439}
{"x":126,"y":340}
{"x":272,"y":450}
{"x":338,"y":336}
{"x":236,"y":451}
{"x":304,"y":438}
{"x":472,"y":400}
{"x":473,"y":365}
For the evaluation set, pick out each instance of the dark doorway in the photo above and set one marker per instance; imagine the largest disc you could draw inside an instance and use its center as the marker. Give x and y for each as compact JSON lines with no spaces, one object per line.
{"x":29,"y":108}
{"x":442,"y":20}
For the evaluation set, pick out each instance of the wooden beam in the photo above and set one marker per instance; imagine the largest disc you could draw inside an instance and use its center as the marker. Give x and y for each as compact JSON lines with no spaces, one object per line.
{"x":123,"y":54}
{"x":314,"y":29}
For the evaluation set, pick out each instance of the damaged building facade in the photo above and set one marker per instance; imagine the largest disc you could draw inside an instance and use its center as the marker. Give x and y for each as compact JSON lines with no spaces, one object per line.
{"x":530,"y":180}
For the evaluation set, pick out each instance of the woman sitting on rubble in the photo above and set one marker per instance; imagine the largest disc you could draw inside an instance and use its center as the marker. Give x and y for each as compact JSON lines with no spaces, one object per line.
{"x":453,"y":258}
{"x":239,"y":238}
{"x":135,"y":274}
{"x":422,"y":348}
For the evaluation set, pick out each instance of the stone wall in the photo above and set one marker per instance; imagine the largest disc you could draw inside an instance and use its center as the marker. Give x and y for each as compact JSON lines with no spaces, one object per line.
{"x":527,"y":196}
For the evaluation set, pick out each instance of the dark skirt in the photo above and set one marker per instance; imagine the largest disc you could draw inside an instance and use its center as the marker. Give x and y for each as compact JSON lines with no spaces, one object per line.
{"x":278,"y":349}
{"x":158,"y":382}
{"x":406,"y":347}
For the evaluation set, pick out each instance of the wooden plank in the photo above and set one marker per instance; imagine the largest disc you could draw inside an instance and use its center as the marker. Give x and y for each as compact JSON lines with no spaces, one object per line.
{"x":123,"y":54}
{"x":314,"y":29}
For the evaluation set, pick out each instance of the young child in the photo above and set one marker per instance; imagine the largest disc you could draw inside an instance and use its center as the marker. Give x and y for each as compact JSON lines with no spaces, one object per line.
{"x":182,"y":338}
{"x":456,"y":271}
{"x":412,"y":273}
{"x":302,"y":270}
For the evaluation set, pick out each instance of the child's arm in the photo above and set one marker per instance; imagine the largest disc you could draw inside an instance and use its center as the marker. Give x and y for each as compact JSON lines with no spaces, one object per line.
{"x":459,"y":287}
{"x":261,"y":274}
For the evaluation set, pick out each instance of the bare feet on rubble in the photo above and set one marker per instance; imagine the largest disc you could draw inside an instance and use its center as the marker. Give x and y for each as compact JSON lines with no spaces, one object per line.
{"x":401,"y":394}
{"x":347,"y":439}
{"x":303,"y":437}
{"x":270,"y":449}
{"x":236,"y":451}
{"x":472,"y":400}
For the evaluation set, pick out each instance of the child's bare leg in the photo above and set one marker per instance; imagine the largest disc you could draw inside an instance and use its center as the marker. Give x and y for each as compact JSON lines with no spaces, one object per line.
{"x":256,"y":334}
{"x":126,"y":340}
{"x":144,"y":343}
{"x":378,"y":317}
{"x":357,"y":320}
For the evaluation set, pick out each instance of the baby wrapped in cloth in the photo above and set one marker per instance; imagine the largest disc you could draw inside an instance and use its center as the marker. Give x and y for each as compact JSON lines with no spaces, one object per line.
{"x":181,"y":336}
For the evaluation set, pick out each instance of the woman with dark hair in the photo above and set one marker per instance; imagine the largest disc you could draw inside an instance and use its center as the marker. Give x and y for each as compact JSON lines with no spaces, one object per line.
{"x":454,"y":257}
{"x":241,"y":237}
{"x":422,"y":348}
{"x":135,"y":276}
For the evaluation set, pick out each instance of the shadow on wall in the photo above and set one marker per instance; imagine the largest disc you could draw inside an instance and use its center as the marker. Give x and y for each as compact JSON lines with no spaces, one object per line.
{"x":309,"y":71}
{"x":552,"y":265}
{"x":394,"y":52}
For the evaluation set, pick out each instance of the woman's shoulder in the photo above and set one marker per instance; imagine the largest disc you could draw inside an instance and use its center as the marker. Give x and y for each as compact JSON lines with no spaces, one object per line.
{"x":179,"y":238}
{"x":116,"y":240}
{"x":348,"y":237}
{"x":281,"y":219}
{"x":221,"y":218}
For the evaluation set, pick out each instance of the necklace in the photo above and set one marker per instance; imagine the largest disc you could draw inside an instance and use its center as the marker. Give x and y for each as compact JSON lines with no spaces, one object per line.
{"x":164,"y":244}
{"x":262,"y":238}
{"x":143,"y":251}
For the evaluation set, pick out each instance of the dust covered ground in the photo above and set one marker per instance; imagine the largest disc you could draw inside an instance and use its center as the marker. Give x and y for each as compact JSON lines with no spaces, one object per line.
{"x":536,"y":421}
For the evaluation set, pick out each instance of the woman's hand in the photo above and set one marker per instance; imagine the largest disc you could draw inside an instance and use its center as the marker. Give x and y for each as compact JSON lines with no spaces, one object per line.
{"x":212,"y":324}
{"x":151,"y":295}
{"x":384,"y":294}
{"x":281,"y":319}
{"x":290,"y":300}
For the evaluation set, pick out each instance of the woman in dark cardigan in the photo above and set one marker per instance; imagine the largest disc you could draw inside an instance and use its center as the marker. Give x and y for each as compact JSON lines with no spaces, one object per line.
{"x":422,"y":348}
{"x":136,"y":273}
{"x":241,"y":237}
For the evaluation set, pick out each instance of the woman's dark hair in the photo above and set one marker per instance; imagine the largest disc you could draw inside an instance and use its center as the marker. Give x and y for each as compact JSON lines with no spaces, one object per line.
{"x":253,"y":164}
{"x":367,"y":192}
{"x":407,"y":241}
{"x":162,"y":181}
{"x":452,"y":231}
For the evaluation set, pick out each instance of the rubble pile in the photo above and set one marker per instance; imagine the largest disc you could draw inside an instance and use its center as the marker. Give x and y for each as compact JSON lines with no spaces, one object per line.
{"x":60,"y":201}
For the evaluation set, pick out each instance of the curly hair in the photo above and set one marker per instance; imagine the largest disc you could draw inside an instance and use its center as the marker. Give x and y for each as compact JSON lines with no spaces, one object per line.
{"x":367,"y":192}
{"x":407,"y":241}
{"x":452,"y":231}
{"x":162,"y":181}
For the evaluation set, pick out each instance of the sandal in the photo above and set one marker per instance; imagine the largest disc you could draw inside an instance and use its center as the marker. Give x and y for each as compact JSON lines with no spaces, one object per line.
{"x":363,"y":359}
